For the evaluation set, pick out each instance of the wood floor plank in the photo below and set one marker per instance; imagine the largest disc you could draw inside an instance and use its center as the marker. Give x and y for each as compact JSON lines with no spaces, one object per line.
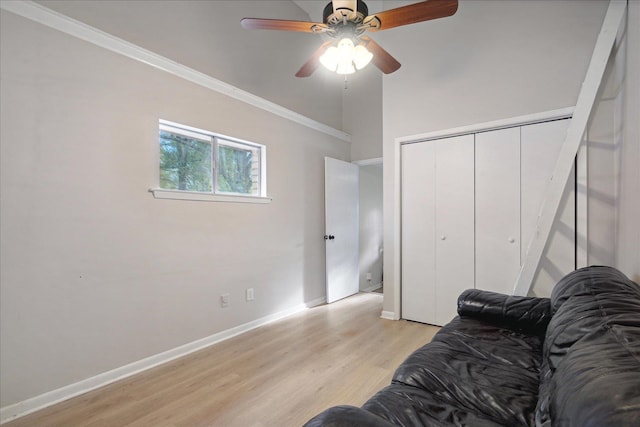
{"x":280,"y":374}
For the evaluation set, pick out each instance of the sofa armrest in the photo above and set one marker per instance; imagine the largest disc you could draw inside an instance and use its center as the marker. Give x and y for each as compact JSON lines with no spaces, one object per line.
{"x":529,"y":314}
{"x":347,"y":416}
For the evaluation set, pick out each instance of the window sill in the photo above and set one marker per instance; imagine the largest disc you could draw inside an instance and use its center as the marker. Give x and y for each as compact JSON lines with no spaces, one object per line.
{"x":160,"y":193}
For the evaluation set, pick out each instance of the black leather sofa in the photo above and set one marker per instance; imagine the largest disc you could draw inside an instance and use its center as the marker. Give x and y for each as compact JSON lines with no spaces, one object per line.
{"x":571,"y":360}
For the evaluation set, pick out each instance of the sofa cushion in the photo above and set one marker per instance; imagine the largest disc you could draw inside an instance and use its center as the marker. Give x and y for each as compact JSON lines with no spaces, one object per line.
{"x":347,"y":416}
{"x":472,"y":369}
{"x":598,"y":383}
{"x":590,"y":375}
{"x":407,"y":406}
{"x":589,"y":281}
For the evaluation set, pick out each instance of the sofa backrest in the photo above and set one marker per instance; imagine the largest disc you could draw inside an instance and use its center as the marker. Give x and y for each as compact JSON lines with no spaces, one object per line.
{"x":590,"y":373}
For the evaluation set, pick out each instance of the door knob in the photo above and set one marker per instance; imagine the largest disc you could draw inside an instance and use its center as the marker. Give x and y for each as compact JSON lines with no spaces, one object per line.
{"x":511,"y":240}
{"x":443,"y":237}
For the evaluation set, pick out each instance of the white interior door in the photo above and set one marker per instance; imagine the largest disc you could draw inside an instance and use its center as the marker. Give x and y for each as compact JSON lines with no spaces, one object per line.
{"x":455,"y":250}
{"x":498,"y":209}
{"x":341,"y":228}
{"x":419,"y":232}
{"x":437,"y":227}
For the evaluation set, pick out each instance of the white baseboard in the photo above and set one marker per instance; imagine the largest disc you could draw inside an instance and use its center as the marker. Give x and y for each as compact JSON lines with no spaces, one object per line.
{"x":316,"y":302}
{"x":372,"y":288}
{"x":389,"y":315}
{"x":20,"y":409}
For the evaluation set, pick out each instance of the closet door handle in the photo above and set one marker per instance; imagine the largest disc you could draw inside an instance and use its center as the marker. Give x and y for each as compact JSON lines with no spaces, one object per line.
{"x":443,"y":237}
{"x":512,"y":240}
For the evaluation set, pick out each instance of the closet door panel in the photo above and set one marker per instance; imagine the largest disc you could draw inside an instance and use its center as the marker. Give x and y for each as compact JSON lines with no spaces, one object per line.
{"x":454,"y":223}
{"x":497,"y":181}
{"x":540,"y":145}
{"x":418,"y":232}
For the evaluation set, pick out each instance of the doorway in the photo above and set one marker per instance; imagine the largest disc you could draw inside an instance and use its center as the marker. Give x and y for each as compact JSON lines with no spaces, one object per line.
{"x":371,"y":226}
{"x":353,"y":227}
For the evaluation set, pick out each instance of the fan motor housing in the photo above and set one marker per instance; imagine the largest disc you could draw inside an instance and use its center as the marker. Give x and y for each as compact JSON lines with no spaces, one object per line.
{"x":357,"y":16}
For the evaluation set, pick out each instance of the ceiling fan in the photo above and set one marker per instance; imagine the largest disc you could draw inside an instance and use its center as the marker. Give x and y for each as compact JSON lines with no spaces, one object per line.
{"x":346,"y":22}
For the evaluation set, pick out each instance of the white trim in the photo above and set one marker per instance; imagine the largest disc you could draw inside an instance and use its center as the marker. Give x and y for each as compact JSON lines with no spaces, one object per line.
{"x":44,"y":400}
{"x":60,"y":22}
{"x":562,"y":113}
{"x":316,"y":302}
{"x":577,"y":128}
{"x":389,"y":315}
{"x":167,"y":125}
{"x":397,"y":230}
{"x":368,"y":162}
{"x":582,"y":211}
{"x":161,"y":193}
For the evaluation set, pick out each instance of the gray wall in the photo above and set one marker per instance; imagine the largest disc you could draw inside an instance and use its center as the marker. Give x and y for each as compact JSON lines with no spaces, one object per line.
{"x":95,"y":272}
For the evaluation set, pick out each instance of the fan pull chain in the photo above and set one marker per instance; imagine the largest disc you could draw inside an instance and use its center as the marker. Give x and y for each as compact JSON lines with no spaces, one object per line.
{"x":346,"y":86}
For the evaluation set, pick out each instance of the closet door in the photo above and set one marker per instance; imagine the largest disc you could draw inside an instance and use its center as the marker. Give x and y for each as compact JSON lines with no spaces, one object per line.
{"x":418,"y":232}
{"x":540,"y":145}
{"x":497,"y":180}
{"x":454,"y":223}
{"x":437,"y":227}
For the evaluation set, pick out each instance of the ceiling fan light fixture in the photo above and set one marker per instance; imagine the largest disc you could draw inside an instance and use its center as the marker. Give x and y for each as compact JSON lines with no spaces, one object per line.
{"x":345,"y":58}
{"x":329,"y":58}
{"x":347,"y":21}
{"x":345,"y":68}
{"x":361,"y":56}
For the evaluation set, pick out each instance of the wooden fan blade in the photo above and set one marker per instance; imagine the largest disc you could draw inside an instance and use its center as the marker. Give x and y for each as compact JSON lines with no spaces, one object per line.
{"x":423,"y":11}
{"x":312,"y":64}
{"x":283,"y":25}
{"x":381,"y":58}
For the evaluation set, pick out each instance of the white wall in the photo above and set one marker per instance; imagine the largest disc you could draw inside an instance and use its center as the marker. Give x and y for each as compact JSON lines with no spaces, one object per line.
{"x":604,"y":143}
{"x":628,"y":236}
{"x":207,"y":36}
{"x":491,"y":60}
{"x":613,"y":153}
{"x":95,"y":272}
{"x":371,"y":250}
{"x":362,"y":113}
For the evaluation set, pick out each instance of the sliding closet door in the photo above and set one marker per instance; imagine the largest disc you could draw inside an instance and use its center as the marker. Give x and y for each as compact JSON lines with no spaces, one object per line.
{"x":454,"y":223}
{"x":498,"y":209}
{"x":418,"y":232}
{"x":437,"y":227}
{"x":540,"y":145}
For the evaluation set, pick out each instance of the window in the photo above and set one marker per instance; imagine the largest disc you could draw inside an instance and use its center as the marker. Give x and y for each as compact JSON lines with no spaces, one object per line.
{"x":198,"y":161}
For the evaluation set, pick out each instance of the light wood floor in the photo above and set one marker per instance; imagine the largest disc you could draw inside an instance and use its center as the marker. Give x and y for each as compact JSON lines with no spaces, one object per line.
{"x":280,"y":375}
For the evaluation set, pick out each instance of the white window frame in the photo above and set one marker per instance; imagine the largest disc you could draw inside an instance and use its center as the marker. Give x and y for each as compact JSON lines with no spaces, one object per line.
{"x":216,"y":140}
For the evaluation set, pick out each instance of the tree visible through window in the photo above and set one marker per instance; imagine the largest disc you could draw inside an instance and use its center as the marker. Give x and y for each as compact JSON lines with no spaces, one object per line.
{"x":235,"y":173}
{"x":185,"y":163}
{"x":194,"y":160}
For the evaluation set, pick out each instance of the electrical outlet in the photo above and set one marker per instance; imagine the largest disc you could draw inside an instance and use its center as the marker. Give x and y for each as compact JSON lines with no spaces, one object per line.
{"x":250,"y":295}
{"x":224,"y":300}
{"x":368,"y":276}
